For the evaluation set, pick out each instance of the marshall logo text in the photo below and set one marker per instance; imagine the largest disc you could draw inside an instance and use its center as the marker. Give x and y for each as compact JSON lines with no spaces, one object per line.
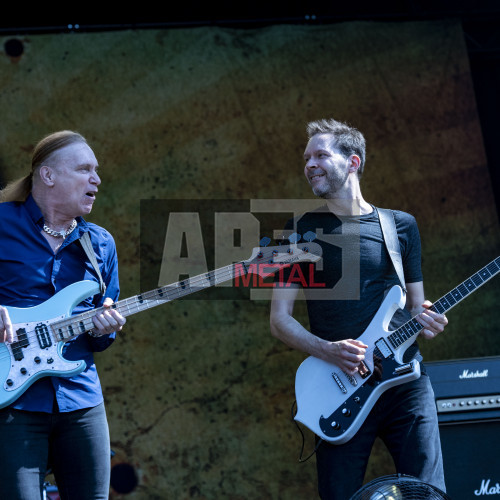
{"x":486,"y":489}
{"x":476,"y":374}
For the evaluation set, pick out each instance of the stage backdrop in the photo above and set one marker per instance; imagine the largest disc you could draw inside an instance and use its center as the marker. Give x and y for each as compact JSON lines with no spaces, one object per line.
{"x":209,"y":121}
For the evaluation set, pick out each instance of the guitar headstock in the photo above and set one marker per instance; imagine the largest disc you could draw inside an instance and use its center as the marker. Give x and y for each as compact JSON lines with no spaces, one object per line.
{"x":284,"y":254}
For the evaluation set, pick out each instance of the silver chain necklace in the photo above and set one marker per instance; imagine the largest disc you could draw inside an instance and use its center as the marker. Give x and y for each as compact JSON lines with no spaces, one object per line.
{"x":60,"y":234}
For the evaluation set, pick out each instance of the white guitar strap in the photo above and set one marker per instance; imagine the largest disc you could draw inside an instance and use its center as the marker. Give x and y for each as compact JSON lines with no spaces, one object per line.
{"x":87,"y":246}
{"x":389,"y":231}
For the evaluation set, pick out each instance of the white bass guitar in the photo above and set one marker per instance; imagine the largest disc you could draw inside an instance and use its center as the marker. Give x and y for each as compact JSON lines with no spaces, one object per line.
{"x":41,"y":331}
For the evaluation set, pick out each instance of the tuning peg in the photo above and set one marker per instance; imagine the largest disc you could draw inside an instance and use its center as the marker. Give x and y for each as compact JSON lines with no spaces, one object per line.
{"x":265,"y":241}
{"x":294,"y":238}
{"x":310,"y":236}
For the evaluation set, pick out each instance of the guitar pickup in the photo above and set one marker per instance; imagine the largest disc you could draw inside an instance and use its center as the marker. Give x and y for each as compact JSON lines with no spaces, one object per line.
{"x":43,"y":336}
{"x":22,"y":341}
{"x":384,"y":349}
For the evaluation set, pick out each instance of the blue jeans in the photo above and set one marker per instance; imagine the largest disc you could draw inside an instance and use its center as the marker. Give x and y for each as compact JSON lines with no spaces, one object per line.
{"x":405,"y":419}
{"x":74,"y":444}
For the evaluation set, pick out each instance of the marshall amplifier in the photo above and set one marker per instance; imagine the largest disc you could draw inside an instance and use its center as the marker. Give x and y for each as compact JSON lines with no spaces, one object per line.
{"x":467,"y":393}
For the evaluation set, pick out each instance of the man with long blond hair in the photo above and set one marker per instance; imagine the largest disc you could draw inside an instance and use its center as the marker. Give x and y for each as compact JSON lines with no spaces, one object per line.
{"x":58,"y":421}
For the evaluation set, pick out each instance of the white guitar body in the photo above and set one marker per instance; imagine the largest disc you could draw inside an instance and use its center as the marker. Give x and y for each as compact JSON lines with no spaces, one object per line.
{"x":36,"y":352}
{"x":334,"y":404}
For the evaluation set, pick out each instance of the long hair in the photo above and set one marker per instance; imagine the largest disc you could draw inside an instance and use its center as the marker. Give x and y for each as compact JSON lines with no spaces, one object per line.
{"x":19,"y":189}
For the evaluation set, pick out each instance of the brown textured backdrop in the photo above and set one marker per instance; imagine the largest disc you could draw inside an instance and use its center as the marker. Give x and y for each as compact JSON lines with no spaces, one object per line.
{"x":198,"y":393}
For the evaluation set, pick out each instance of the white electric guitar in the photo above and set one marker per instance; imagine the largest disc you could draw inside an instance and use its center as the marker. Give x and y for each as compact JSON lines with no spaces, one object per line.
{"x":41,"y":331}
{"x":334,"y":404}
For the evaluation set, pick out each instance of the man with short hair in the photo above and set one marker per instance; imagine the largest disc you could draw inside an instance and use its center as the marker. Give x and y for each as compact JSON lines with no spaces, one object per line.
{"x":405,"y":416}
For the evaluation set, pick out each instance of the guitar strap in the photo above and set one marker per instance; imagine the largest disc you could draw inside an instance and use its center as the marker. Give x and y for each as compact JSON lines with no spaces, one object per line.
{"x":389,"y":231}
{"x":87,"y":246}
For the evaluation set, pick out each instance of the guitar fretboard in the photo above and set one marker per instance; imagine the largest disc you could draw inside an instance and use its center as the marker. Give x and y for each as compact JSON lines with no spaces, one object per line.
{"x":412,"y":327}
{"x":277,"y":257}
{"x":76,"y":325}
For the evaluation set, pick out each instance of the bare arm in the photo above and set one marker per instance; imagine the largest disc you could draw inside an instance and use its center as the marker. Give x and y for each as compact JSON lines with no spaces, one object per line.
{"x":433,"y":323}
{"x":346,"y":354}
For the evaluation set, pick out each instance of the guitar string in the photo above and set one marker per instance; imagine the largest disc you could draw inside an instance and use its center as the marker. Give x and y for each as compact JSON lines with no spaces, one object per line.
{"x":132,"y":305}
{"x":185,"y":287}
{"x":172,"y":292}
{"x":412,"y":327}
{"x":228,"y":273}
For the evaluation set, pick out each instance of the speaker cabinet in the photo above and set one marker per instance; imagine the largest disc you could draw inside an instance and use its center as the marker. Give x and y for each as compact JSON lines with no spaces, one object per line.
{"x":471,"y":456}
{"x":467,"y":395}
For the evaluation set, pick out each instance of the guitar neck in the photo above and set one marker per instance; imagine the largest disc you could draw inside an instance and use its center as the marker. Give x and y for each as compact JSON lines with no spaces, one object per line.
{"x":412,"y":328}
{"x":174,"y":291}
{"x":75,"y":325}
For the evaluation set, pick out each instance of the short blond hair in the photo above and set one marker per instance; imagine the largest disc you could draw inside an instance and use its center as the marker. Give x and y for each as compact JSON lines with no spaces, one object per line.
{"x":348,"y":140}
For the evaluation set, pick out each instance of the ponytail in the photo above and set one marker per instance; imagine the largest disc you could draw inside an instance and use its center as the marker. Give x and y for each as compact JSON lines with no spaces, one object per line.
{"x":17,"y":190}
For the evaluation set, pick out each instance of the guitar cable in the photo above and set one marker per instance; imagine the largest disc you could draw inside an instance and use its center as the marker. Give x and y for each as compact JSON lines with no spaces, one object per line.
{"x":318,"y":443}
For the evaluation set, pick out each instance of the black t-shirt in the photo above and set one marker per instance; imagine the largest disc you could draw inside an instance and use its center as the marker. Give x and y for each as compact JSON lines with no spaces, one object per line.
{"x":356,"y":273}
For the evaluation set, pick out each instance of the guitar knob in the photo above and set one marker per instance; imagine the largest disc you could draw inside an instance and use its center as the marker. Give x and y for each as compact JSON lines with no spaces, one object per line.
{"x":346,"y":412}
{"x":335,"y":425}
{"x":37,"y":360}
{"x":24,"y":371}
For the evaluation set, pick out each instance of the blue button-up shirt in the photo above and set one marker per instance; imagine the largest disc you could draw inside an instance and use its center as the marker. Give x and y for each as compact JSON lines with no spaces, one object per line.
{"x":31,"y":273}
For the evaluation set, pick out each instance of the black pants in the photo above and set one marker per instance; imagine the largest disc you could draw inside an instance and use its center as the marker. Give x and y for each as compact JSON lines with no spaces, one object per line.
{"x":405,"y":419}
{"x":76,"y":444}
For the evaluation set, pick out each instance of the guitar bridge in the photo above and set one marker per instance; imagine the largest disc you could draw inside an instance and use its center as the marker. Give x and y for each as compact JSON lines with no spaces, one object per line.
{"x":403,"y":369}
{"x":351,"y":379}
{"x":339,"y":383}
